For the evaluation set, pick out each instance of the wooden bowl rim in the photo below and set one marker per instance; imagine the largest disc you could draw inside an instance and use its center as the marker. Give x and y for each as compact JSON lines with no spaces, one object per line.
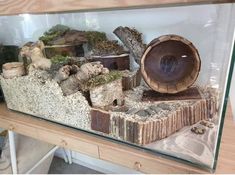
{"x":178,"y":87}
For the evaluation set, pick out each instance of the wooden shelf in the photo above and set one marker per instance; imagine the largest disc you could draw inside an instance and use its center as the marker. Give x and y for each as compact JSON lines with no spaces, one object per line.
{"x":105,"y":149}
{"x":12,"y":7}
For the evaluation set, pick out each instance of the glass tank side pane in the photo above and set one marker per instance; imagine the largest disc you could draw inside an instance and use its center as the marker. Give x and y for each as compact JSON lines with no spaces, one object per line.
{"x":156,"y":124}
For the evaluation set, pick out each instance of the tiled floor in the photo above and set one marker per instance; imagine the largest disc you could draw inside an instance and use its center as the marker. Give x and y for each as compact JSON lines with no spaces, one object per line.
{"x":58,"y":166}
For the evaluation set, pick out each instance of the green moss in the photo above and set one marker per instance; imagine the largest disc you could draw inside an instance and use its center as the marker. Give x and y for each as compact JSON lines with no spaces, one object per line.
{"x":47,"y":38}
{"x":59,"y":59}
{"x":102,"y":79}
{"x":106,"y":48}
{"x":53,"y":33}
{"x":95,"y":37}
{"x":59,"y":28}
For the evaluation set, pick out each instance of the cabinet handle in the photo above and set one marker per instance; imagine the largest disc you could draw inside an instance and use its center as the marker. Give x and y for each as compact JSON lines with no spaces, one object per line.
{"x":137,"y":165}
{"x":11,"y":127}
{"x":64,"y":143}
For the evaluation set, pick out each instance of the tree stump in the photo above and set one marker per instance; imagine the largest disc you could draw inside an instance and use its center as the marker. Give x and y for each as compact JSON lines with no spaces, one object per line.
{"x":170,"y":64}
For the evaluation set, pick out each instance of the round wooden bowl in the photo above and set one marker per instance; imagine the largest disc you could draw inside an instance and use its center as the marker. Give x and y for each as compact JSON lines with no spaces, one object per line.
{"x":170,"y":64}
{"x":13,"y":69}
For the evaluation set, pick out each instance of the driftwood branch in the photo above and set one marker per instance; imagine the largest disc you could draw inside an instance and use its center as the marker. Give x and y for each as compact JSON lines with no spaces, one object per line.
{"x":131,"y":38}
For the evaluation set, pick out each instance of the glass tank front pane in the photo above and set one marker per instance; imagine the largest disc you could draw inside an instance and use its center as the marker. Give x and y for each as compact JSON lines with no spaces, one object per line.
{"x":157,"y":82}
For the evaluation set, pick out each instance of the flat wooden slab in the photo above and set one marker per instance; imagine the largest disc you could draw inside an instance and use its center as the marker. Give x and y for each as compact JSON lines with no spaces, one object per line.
{"x":13,"y":7}
{"x":189,"y":94}
{"x":111,"y":151}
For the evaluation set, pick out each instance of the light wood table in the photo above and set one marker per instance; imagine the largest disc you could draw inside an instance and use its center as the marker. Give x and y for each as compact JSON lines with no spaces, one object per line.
{"x":104,"y":149}
{"x":13,"y":7}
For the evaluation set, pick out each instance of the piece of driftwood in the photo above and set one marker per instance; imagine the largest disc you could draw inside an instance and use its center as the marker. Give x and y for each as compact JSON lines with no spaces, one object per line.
{"x":35,"y":57}
{"x":13,"y":69}
{"x":74,"y":82}
{"x":192,"y":93}
{"x":114,"y":62}
{"x":103,"y":96}
{"x":100,"y":120}
{"x":130,"y":80}
{"x":131,"y":38}
{"x":65,"y":71}
{"x":170,"y":64}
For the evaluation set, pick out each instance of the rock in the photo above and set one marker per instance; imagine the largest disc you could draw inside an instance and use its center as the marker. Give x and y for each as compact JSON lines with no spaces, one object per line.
{"x":132,"y":111}
{"x":164,"y":106}
{"x":207,"y":124}
{"x":150,"y":111}
{"x":198,"y":130}
{"x":155,"y":108}
{"x":142,"y":113}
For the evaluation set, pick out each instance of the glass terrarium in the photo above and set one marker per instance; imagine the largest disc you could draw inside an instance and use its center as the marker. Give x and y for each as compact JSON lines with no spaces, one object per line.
{"x":152,"y":78}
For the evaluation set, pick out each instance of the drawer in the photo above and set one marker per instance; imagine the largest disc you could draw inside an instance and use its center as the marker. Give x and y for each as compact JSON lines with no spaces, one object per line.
{"x":142,"y":161}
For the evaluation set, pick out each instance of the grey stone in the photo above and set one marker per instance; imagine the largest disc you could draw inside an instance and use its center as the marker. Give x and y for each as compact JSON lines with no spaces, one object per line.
{"x":142,"y":113}
{"x":164,"y":106}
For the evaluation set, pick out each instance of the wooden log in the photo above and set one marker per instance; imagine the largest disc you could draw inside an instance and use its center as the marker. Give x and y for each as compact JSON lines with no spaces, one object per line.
{"x":130,"y":80}
{"x":131,"y":41}
{"x":100,"y":120}
{"x":13,"y":69}
{"x":135,"y":132}
{"x":170,"y":64}
{"x":140,"y":133}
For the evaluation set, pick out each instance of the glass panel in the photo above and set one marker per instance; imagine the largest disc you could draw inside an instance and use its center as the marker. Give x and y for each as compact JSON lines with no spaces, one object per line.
{"x":172,"y":105}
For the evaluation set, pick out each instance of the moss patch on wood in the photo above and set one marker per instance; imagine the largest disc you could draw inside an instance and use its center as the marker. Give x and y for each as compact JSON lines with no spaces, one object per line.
{"x":53,"y":33}
{"x":136,"y":34}
{"x":95,"y":37}
{"x":107,"y":48}
{"x":101,"y":79}
{"x":59,"y":59}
